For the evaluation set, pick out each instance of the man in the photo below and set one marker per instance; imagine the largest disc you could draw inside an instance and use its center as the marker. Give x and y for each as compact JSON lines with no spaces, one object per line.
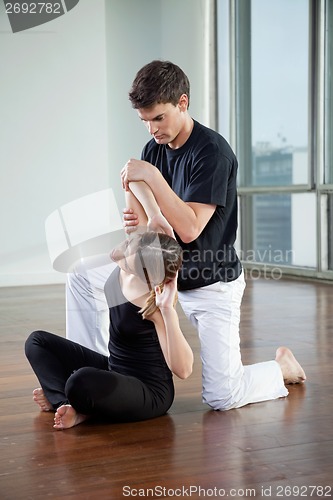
{"x":191,"y":171}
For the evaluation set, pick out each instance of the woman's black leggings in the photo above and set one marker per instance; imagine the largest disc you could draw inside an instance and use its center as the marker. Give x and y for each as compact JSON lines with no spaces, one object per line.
{"x":72,"y":374}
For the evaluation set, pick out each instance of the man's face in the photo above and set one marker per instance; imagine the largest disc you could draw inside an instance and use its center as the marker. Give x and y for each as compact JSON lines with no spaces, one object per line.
{"x":164,"y":121}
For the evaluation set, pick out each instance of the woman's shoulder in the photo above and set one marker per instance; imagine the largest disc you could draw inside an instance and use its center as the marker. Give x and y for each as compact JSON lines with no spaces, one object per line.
{"x":133,"y":289}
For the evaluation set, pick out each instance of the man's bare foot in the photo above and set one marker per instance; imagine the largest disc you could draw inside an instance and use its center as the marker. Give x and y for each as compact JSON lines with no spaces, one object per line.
{"x":66,"y":417}
{"x":40,"y":398}
{"x":292,"y":371}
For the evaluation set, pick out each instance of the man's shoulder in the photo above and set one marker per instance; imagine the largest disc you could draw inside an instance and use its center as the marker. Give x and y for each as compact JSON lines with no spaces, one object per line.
{"x":212,"y":140}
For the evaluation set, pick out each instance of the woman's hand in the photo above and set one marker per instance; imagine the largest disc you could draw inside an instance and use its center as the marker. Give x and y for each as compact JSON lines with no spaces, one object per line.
{"x":165,"y":298}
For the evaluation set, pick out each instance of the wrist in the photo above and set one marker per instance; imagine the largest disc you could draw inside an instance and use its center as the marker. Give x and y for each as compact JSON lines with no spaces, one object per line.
{"x":167,"y":311}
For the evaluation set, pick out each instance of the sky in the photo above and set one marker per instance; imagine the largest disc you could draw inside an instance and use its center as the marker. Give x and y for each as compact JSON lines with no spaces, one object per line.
{"x":280,"y":71}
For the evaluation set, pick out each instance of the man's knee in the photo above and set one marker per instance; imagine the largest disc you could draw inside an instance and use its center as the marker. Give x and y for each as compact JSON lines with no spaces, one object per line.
{"x":79,"y":292}
{"x":220,"y":403}
{"x":74,"y":280}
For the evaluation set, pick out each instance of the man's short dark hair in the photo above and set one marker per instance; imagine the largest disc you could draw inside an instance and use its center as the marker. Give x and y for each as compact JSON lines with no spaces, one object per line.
{"x":158,"y":82}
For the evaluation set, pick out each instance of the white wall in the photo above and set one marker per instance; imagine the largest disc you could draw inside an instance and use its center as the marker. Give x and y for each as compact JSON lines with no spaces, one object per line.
{"x":137,"y":33}
{"x":53,"y":131}
{"x":67,"y":126}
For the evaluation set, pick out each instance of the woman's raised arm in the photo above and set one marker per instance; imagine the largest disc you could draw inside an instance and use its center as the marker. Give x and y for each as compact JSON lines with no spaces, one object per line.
{"x":141,"y":200}
{"x":177,"y":352}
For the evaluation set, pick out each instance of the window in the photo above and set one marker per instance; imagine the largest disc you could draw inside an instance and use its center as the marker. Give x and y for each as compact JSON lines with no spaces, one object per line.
{"x":275,"y":76}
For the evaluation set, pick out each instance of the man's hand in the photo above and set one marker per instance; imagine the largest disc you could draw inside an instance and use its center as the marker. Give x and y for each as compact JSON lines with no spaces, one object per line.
{"x":135,"y":170}
{"x":130,"y":220}
{"x":156,"y":223}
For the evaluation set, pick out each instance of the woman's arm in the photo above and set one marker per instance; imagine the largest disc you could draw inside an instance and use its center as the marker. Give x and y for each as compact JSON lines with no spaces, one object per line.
{"x":177,"y":352}
{"x":188,"y":219}
{"x":132,"y":202}
{"x":141,"y":200}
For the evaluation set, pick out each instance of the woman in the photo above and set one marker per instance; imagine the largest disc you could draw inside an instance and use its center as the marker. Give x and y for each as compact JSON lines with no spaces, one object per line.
{"x":146,"y":344}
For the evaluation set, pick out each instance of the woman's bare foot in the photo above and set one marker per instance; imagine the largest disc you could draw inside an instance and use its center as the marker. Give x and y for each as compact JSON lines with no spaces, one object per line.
{"x":66,"y":417}
{"x":40,"y":398}
{"x":292,"y":371}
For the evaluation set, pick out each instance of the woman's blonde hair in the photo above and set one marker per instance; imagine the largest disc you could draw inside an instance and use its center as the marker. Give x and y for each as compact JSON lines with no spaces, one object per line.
{"x":157,"y":260}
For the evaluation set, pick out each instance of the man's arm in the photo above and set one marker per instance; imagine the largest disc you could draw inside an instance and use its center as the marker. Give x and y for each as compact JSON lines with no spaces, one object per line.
{"x":188,"y":219}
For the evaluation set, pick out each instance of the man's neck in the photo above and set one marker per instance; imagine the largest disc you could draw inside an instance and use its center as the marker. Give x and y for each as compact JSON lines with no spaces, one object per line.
{"x":184,"y":134}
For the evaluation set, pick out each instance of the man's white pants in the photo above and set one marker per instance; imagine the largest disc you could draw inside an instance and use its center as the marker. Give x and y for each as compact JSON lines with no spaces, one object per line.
{"x":87,"y":311}
{"x":214,"y":310}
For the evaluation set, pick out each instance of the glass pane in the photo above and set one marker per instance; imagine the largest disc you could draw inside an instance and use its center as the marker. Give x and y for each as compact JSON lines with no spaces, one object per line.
{"x":329,"y":95}
{"x":304,"y":229}
{"x":279,"y":234}
{"x":279,"y":92}
{"x":272,"y":229}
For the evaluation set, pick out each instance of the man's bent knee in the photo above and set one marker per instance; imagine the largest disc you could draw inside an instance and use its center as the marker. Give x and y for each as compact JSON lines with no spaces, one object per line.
{"x":221,"y":404}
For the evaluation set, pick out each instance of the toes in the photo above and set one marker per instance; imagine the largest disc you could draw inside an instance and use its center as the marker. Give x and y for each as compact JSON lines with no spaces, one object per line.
{"x":296,"y":380}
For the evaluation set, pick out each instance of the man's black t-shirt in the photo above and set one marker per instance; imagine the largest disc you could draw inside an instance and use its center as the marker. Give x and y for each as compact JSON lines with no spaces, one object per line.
{"x":203,"y":170}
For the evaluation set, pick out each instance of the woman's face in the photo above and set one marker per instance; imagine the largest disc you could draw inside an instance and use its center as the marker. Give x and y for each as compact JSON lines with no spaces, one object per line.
{"x":132,"y":258}
{"x":124,"y":254}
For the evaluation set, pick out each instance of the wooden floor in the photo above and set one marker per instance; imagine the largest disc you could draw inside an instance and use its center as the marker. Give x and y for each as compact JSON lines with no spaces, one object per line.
{"x":276,"y":449}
